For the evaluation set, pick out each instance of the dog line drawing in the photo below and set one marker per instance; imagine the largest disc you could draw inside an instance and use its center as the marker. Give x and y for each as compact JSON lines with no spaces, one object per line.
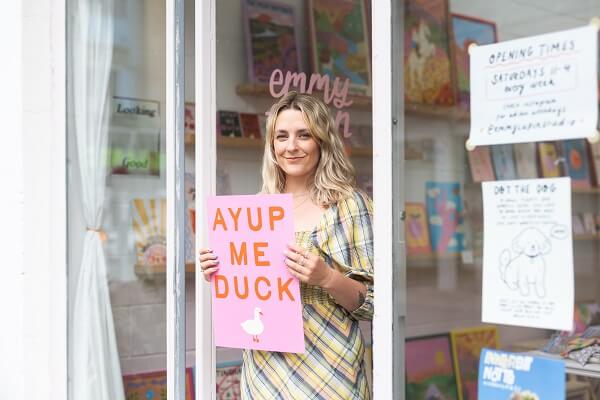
{"x":525,"y":265}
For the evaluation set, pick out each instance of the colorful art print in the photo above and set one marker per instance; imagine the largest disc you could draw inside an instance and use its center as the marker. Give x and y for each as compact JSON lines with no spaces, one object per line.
{"x":525,"y":160}
{"x":228,"y":382}
{"x":153,"y":385}
{"x":466,"y":348}
{"x":427,"y":66}
{"x":480,"y":163}
{"x":228,"y":123}
{"x":429,"y":368}
{"x":190,"y":119}
{"x":250,"y":125}
{"x":271,"y":39}
{"x":417,"y":233}
{"x":577,"y":162}
{"x":444,"y":210}
{"x":466,"y":31}
{"x":504,"y":161}
{"x":549,"y":160}
{"x":339,"y":42}
{"x":149,"y":218}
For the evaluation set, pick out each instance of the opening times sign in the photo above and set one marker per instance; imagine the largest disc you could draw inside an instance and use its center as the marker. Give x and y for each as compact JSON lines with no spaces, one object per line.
{"x":535,"y":89}
{"x":255,"y":300}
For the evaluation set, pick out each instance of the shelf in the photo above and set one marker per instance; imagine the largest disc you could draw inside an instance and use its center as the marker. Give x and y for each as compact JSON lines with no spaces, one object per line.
{"x":366,"y":103}
{"x":593,"y":190}
{"x":422,"y":258}
{"x":258,"y":144}
{"x":149,"y":270}
{"x":587,"y":237}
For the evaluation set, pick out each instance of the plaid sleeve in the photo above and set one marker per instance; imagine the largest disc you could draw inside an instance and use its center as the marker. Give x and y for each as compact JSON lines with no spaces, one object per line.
{"x":347,"y":243}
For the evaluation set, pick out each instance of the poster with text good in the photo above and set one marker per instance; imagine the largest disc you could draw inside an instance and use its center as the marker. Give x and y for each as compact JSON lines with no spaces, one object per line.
{"x":504,"y":375}
{"x":535,"y":89}
{"x":255,"y":301}
{"x":528,"y":253}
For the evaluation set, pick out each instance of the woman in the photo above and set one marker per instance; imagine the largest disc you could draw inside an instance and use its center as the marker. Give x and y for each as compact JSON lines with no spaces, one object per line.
{"x":332,"y":258}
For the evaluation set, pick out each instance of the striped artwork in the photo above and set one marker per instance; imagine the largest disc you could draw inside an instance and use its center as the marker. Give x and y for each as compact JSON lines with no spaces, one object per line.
{"x":149,"y":218}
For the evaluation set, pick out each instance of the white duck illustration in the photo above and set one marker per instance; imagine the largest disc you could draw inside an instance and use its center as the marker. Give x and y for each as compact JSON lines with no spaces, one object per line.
{"x":254,"y":326}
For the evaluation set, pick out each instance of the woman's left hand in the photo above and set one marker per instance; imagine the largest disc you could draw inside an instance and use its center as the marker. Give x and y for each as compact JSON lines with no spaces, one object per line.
{"x":307,"y":267}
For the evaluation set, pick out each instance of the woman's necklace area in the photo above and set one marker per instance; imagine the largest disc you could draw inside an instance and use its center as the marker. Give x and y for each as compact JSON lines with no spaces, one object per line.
{"x":303,"y":195}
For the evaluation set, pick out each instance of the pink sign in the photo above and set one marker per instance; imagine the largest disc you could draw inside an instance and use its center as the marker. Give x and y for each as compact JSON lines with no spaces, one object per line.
{"x":255,"y":300}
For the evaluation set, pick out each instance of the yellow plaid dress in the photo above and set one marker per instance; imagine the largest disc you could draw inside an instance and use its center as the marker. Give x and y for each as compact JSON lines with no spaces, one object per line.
{"x":332,"y":366}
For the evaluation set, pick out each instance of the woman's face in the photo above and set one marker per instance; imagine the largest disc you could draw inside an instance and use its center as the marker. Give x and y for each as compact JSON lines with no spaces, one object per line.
{"x":296,"y":151}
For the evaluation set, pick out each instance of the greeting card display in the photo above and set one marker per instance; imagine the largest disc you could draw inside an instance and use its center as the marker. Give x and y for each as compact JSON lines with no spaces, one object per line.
{"x":427,"y":67}
{"x":255,"y":300}
{"x":466,"y":347}
{"x":339,"y":42}
{"x":417,"y":232}
{"x":444,"y":210}
{"x":271,"y":39}
{"x":429,"y":368}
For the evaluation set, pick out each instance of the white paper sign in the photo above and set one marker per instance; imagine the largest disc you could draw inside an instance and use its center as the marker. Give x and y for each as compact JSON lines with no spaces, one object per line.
{"x":535,"y":89}
{"x":528,"y":253}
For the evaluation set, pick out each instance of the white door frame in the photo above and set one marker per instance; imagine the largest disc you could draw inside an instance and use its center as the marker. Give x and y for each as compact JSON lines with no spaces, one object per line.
{"x":388,"y":168}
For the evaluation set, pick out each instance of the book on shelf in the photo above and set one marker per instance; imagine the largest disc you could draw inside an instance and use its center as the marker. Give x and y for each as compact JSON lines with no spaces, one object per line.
{"x":250,"y":125}
{"x":504,"y":162}
{"x":578,"y":228}
{"x":589,"y":223}
{"x":480,"y":164}
{"x":444,"y":215}
{"x":228,"y":123}
{"x":577,"y":163}
{"x":549,"y":160}
{"x":417,"y":232}
{"x":525,"y":160}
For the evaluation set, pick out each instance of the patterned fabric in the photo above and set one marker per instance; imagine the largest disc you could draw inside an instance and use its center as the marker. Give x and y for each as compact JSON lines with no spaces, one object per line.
{"x":333,"y":365}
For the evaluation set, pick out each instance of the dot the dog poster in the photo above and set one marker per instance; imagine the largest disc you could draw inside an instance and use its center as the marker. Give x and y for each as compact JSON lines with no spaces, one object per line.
{"x":528,"y":253}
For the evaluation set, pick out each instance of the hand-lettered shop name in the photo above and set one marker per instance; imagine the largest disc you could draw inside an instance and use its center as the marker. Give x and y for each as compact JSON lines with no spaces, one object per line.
{"x":249,"y":255}
{"x":337,"y":94}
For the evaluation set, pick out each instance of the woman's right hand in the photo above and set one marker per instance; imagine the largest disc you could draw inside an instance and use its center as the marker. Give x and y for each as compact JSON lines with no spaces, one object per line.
{"x":209,"y":263}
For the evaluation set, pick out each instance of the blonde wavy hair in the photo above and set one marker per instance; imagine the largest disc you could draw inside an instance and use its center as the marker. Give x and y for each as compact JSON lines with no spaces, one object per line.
{"x":334,"y":178}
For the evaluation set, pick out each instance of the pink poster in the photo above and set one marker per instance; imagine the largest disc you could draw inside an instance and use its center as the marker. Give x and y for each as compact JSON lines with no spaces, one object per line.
{"x":255,"y":300}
